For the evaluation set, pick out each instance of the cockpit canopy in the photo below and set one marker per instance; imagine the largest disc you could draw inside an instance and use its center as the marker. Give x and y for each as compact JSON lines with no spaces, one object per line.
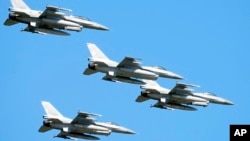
{"x":80,"y":17}
{"x":209,"y":93}
{"x":112,"y":123}
{"x":159,"y":67}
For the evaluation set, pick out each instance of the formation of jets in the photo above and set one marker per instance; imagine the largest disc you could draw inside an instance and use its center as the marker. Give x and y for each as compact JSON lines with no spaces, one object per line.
{"x":53,"y":20}
{"x":129,"y":70}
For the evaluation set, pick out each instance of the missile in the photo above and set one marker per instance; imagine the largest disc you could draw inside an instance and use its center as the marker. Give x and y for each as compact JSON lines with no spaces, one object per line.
{"x":73,"y":28}
{"x":84,"y":136}
{"x":181,"y":107}
{"x":49,"y":31}
{"x":124,"y":79}
{"x":200,"y":103}
{"x":57,"y":8}
{"x":174,"y":106}
{"x":76,"y":135}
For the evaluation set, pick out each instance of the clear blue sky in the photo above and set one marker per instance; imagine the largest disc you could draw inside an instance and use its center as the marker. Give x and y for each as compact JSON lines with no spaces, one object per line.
{"x":207,"y":42}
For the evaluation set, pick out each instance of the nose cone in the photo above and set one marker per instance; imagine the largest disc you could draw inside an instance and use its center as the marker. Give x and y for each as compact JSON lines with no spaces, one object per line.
{"x":123,"y":130}
{"x":99,"y":26}
{"x":128,"y":131}
{"x":176,"y":76}
{"x":102,"y":27}
{"x":227,"y":102}
{"x":169,"y":74}
{"x":222,"y":101}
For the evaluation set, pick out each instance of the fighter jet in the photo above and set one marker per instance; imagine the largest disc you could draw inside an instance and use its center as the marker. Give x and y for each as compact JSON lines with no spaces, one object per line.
{"x":52,"y":20}
{"x":128,"y":70}
{"x":179,"y":97}
{"x":82,"y":126}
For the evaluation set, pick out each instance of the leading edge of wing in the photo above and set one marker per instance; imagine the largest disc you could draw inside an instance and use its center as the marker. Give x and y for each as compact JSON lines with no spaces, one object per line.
{"x":130,"y":62}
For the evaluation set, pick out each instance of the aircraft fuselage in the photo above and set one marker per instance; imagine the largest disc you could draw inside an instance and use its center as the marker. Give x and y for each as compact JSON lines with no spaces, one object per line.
{"x":177,"y":98}
{"x":47,"y":22}
{"x":128,"y":72}
{"x":81,"y":128}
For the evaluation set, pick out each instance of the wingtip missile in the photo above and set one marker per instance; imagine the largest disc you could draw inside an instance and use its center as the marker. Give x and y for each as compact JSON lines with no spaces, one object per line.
{"x":58,"y":8}
{"x":187,"y":84}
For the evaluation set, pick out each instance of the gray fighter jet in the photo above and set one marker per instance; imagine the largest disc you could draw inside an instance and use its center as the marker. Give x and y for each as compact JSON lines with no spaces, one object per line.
{"x":51,"y":20}
{"x":82,"y":126}
{"x":128,"y":70}
{"x":179,"y":97}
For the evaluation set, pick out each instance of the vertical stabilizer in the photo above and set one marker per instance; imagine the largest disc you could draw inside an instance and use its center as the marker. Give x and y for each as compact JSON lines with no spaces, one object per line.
{"x":51,"y":110}
{"x":19,"y":4}
{"x":96,"y":52}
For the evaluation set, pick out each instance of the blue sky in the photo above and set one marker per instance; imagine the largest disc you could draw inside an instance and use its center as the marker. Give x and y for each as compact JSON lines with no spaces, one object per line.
{"x":207,"y":42}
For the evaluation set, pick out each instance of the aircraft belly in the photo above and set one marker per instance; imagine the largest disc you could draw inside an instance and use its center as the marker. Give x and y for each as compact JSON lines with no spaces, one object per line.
{"x":27,"y":20}
{"x":154,"y":96}
{"x":60,"y":126}
{"x":106,"y":69}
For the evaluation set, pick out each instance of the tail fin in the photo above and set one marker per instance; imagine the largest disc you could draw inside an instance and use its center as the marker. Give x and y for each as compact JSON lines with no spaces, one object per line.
{"x":51,"y":110}
{"x":95,"y":51}
{"x":19,"y":4}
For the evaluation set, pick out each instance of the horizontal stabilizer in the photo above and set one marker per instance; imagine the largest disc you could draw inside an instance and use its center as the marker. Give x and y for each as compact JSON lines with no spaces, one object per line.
{"x":10,"y":22}
{"x":44,"y":129}
{"x":89,"y":71}
{"x":141,"y":99}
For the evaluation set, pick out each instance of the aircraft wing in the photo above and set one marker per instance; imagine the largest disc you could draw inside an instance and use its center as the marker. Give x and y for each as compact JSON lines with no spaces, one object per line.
{"x":83,"y":118}
{"x":182,"y":88}
{"x":129,"y":62}
{"x":44,"y":129}
{"x":141,"y":99}
{"x":89,"y":71}
{"x":10,"y":22}
{"x":53,"y":10}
